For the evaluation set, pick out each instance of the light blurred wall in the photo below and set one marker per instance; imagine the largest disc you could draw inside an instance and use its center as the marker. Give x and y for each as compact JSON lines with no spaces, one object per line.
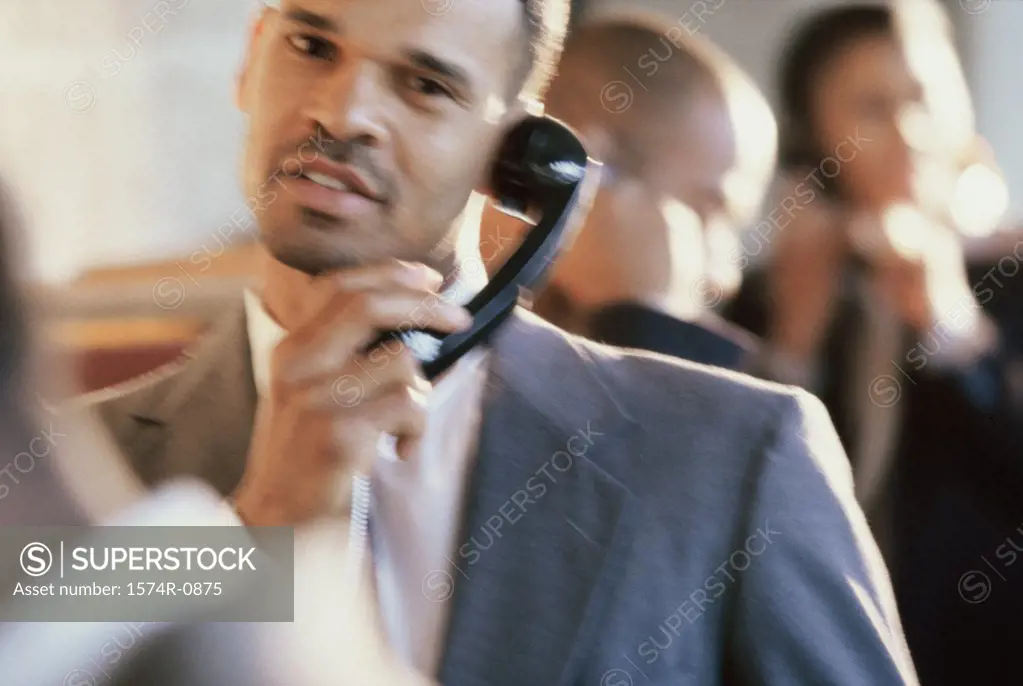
{"x":118,"y":129}
{"x":991,"y":33}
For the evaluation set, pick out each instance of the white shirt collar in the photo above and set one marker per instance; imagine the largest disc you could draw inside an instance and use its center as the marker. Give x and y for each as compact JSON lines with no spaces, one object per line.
{"x":264,"y":335}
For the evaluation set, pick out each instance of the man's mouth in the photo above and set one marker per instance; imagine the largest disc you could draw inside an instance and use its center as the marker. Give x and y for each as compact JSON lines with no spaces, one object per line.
{"x":342,"y":178}
{"x":335,"y":190}
{"x":328,"y":182}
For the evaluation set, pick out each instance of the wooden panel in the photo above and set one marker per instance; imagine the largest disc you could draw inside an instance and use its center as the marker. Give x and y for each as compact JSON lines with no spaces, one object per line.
{"x":107,"y":352}
{"x":238,"y":262}
{"x":114,"y":334}
{"x":101,"y":368}
{"x":121,"y":333}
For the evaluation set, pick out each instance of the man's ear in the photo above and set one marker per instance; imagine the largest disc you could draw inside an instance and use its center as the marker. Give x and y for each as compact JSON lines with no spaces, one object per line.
{"x":598,"y":141}
{"x":506,"y":121}
{"x":242,"y":80}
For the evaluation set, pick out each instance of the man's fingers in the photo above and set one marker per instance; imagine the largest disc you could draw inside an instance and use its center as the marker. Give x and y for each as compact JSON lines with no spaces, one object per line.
{"x":392,"y":275}
{"x":361,"y":380}
{"x":397,"y":410}
{"x":355,"y":322}
{"x":413,"y":309}
{"x":406,"y":447}
{"x":397,"y":275}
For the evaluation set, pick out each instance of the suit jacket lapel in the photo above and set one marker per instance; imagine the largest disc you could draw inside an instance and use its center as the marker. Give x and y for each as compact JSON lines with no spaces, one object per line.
{"x":200,"y":423}
{"x":547,"y":527}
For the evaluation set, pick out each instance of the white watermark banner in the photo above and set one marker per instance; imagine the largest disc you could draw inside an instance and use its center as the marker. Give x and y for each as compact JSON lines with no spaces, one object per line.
{"x":147,"y":574}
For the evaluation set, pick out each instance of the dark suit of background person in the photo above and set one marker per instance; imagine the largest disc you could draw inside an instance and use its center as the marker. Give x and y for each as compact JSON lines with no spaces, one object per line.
{"x":669,"y":144}
{"x":947,"y":495}
{"x":717,"y":343}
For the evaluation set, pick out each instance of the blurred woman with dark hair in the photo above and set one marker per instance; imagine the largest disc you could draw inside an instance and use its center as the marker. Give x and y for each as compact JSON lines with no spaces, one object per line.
{"x":867,"y":300}
{"x":871,"y":158}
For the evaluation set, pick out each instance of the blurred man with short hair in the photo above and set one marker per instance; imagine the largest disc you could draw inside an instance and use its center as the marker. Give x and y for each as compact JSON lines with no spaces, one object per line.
{"x":689,"y":147}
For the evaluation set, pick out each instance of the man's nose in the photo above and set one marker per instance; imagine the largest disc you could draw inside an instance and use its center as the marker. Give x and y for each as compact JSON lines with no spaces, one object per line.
{"x":351,"y":104}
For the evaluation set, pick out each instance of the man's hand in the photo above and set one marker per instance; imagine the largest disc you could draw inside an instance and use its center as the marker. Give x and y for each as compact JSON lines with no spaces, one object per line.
{"x":917,"y":265}
{"x":309,"y":438}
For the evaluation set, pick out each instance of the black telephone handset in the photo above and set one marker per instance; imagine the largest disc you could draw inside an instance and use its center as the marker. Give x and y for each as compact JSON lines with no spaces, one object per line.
{"x":543,"y":175}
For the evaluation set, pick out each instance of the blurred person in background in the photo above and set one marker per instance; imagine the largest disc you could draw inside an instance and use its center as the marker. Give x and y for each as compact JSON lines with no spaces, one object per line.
{"x":866,"y":299}
{"x":56,"y":469}
{"x":60,"y":469}
{"x":19,"y":424}
{"x":688,"y":144}
{"x":33,"y":488}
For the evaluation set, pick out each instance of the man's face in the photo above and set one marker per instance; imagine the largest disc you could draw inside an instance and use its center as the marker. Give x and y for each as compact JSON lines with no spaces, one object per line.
{"x":371,"y":121}
{"x":696,"y":166}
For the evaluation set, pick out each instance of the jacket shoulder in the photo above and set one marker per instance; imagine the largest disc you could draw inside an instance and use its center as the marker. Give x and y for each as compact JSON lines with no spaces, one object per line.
{"x":698,"y":415}
{"x":707,"y":436}
{"x":655,"y":379}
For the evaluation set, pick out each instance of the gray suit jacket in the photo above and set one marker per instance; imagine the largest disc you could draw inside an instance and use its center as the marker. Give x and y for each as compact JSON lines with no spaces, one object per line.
{"x":632,"y":519}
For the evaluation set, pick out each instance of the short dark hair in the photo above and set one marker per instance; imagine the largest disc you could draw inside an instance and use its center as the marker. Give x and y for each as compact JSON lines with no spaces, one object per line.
{"x":546,"y":26}
{"x":600,"y":51}
{"x":812,"y":49}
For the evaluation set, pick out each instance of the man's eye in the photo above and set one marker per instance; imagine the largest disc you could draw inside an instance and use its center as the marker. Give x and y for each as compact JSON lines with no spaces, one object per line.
{"x":313,"y":46}
{"x":428,"y":86}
